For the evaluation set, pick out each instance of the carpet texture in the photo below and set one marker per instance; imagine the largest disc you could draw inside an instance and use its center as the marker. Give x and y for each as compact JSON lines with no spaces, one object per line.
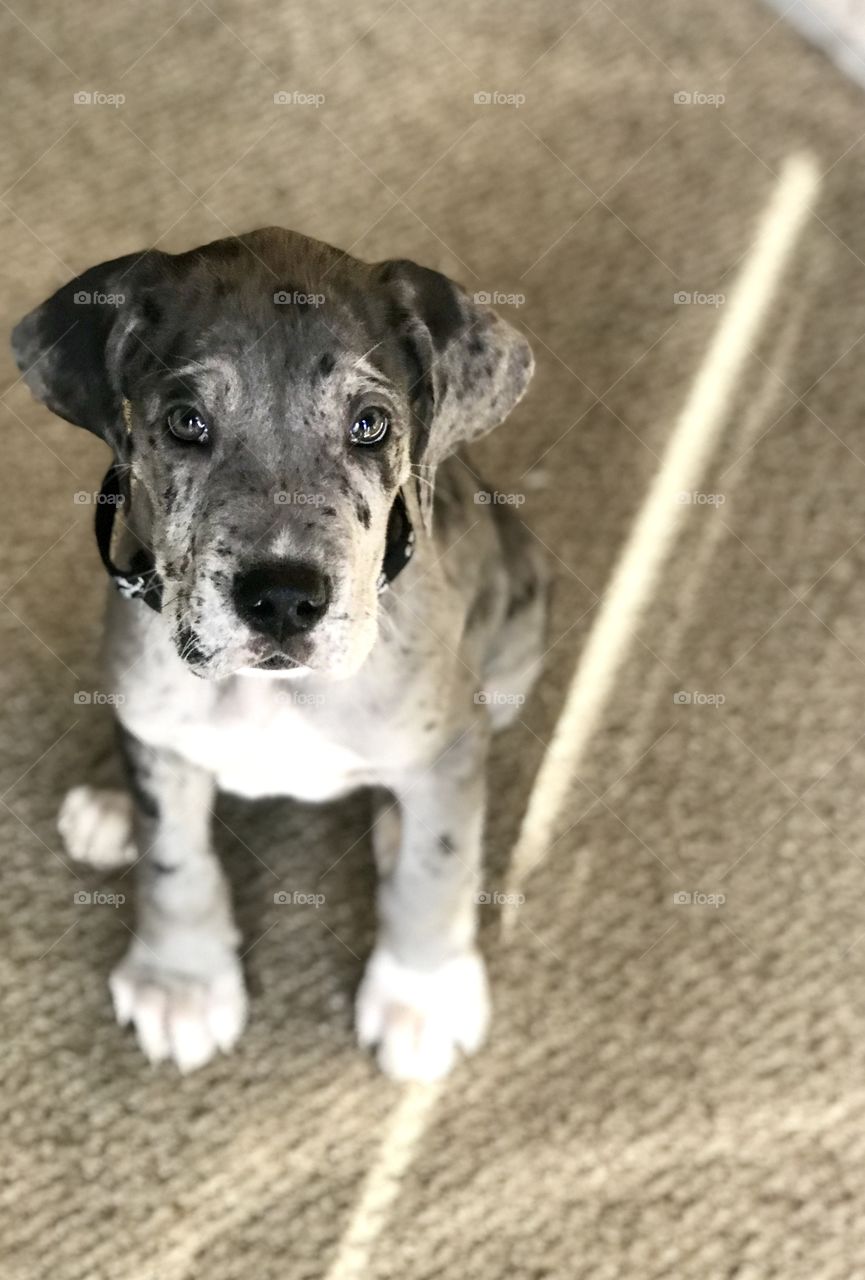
{"x":672,"y":1088}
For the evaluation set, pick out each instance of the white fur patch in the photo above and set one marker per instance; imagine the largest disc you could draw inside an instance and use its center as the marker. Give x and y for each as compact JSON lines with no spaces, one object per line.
{"x":420,"y":1019}
{"x":186,"y":1015}
{"x":96,"y":826}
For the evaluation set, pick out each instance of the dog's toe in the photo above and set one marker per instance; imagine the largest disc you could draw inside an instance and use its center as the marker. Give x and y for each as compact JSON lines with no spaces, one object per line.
{"x":187,"y":1018}
{"x":420,"y":1019}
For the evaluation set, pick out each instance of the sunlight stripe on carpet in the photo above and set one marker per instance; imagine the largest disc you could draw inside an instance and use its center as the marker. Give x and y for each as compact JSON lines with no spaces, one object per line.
{"x":635,"y":578}
{"x":405,"y":1129}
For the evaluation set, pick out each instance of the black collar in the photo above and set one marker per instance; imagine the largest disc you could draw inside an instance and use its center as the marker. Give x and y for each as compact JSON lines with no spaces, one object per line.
{"x":400,"y":543}
{"x":141,"y":581}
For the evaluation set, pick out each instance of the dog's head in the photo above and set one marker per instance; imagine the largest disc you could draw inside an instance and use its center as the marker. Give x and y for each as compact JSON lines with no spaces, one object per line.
{"x":273,"y":398}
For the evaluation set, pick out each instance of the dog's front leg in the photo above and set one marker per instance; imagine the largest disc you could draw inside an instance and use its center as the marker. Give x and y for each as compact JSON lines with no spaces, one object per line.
{"x":424,"y":993}
{"x":180,"y":983}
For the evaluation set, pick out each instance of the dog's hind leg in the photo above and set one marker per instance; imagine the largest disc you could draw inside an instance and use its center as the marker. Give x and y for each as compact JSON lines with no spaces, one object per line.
{"x":180,"y":983}
{"x":96,"y":826}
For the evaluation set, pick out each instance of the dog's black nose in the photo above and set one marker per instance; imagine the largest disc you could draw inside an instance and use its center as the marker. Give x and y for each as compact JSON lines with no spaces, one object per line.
{"x":281,"y":599}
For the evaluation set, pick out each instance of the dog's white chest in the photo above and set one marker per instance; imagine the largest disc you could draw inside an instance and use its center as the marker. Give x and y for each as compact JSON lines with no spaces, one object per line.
{"x":260,"y":742}
{"x":269,"y":763}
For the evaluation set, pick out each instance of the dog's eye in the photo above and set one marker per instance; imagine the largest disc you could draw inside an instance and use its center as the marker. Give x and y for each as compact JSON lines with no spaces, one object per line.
{"x":188,"y":425}
{"x":370,"y":426}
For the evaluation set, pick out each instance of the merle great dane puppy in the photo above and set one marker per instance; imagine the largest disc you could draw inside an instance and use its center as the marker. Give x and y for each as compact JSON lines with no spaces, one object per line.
{"x":284,"y":420}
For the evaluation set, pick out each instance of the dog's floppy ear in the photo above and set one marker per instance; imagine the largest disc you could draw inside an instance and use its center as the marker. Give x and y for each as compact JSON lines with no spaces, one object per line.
{"x":70,"y":349}
{"x":468,"y":366}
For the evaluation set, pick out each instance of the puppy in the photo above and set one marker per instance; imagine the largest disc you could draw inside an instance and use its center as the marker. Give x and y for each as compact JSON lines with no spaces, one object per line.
{"x":318,"y":596}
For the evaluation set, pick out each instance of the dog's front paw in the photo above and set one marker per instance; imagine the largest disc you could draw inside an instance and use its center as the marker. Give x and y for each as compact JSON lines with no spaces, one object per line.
{"x":420,"y":1018}
{"x":185,"y":1016}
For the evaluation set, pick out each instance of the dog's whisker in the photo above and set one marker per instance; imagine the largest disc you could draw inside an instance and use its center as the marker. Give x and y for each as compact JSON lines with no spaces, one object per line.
{"x":421,"y":479}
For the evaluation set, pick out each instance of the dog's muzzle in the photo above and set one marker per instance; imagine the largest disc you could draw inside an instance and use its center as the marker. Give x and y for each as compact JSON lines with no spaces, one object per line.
{"x":141,"y":581}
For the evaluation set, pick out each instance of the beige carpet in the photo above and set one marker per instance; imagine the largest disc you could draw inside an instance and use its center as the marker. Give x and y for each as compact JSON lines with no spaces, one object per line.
{"x":671,"y":1090}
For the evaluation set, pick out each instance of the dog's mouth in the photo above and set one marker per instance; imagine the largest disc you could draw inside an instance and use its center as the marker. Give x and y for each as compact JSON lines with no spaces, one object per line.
{"x":277,"y":662}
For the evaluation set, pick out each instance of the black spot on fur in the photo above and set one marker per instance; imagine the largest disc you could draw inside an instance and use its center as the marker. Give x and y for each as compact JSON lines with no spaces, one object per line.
{"x":328,"y":511}
{"x":446,"y":844}
{"x":363,"y":513}
{"x":326,"y":364}
{"x":150,"y":309}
